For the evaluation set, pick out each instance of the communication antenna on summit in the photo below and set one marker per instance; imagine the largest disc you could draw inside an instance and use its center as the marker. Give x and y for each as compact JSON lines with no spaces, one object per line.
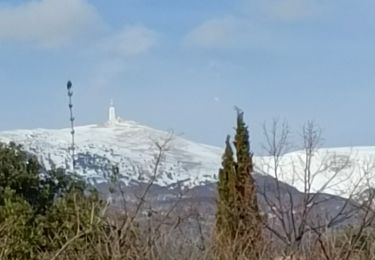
{"x":72,"y":132}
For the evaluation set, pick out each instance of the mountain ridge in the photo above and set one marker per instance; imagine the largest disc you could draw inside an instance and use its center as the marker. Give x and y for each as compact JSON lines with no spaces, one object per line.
{"x":132,"y":147}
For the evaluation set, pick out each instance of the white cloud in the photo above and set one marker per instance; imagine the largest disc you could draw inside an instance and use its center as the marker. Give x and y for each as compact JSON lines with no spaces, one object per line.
{"x":225,"y":33}
{"x":47,"y":23}
{"x":131,"y":41}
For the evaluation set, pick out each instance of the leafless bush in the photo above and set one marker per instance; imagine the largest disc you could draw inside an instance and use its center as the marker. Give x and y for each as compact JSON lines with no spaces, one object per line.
{"x":295,"y":220}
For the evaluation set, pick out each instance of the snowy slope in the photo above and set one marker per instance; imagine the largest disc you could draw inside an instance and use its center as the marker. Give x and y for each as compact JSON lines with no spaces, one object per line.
{"x":343,"y":171}
{"x":131,"y":146}
{"x":128,"y":145}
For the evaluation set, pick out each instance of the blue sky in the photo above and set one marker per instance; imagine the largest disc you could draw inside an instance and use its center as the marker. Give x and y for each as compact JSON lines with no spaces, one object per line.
{"x":183,"y":65}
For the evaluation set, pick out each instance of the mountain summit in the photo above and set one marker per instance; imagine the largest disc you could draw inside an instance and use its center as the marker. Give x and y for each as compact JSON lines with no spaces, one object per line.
{"x":129,"y":145}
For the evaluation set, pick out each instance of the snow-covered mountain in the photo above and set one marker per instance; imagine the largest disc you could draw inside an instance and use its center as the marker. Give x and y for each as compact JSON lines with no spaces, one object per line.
{"x":132,"y":147}
{"x":129,"y":145}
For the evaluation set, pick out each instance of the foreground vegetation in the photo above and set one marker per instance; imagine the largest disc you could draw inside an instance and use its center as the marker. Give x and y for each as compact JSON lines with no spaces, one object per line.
{"x":56,"y":215}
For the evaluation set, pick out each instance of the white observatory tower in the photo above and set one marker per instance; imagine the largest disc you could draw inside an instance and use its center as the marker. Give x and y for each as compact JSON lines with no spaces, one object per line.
{"x":112,"y":113}
{"x":112,"y":119}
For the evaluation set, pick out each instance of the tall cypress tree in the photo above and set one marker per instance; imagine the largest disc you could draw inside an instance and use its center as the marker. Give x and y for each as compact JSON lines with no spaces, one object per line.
{"x":238,"y":216}
{"x":249,"y":219}
{"x":226,"y":186}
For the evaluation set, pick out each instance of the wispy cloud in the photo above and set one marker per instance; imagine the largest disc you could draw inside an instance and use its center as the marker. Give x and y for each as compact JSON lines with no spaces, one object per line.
{"x":47,"y":23}
{"x":131,"y":41}
{"x":291,"y":10}
{"x":114,"y":49}
{"x":283,"y":10}
{"x":225,"y":33}
{"x":105,"y":74}
{"x":214,"y":33}
{"x":253,"y":24}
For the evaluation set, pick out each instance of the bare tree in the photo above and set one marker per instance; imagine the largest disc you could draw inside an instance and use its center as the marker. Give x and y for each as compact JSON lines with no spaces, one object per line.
{"x":296,"y":217}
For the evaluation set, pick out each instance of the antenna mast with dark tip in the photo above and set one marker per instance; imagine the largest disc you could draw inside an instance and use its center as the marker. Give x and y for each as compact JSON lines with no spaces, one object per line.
{"x":72,"y":132}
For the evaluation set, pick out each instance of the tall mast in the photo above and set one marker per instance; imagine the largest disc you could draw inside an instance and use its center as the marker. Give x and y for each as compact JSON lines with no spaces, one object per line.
{"x":72,"y":132}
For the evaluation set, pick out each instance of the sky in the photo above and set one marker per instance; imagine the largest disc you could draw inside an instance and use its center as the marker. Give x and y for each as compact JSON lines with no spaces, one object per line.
{"x":183,"y":65}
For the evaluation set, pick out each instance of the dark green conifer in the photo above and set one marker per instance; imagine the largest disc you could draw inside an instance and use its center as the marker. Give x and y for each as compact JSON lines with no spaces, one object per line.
{"x":238,"y":216}
{"x":226,"y":186}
